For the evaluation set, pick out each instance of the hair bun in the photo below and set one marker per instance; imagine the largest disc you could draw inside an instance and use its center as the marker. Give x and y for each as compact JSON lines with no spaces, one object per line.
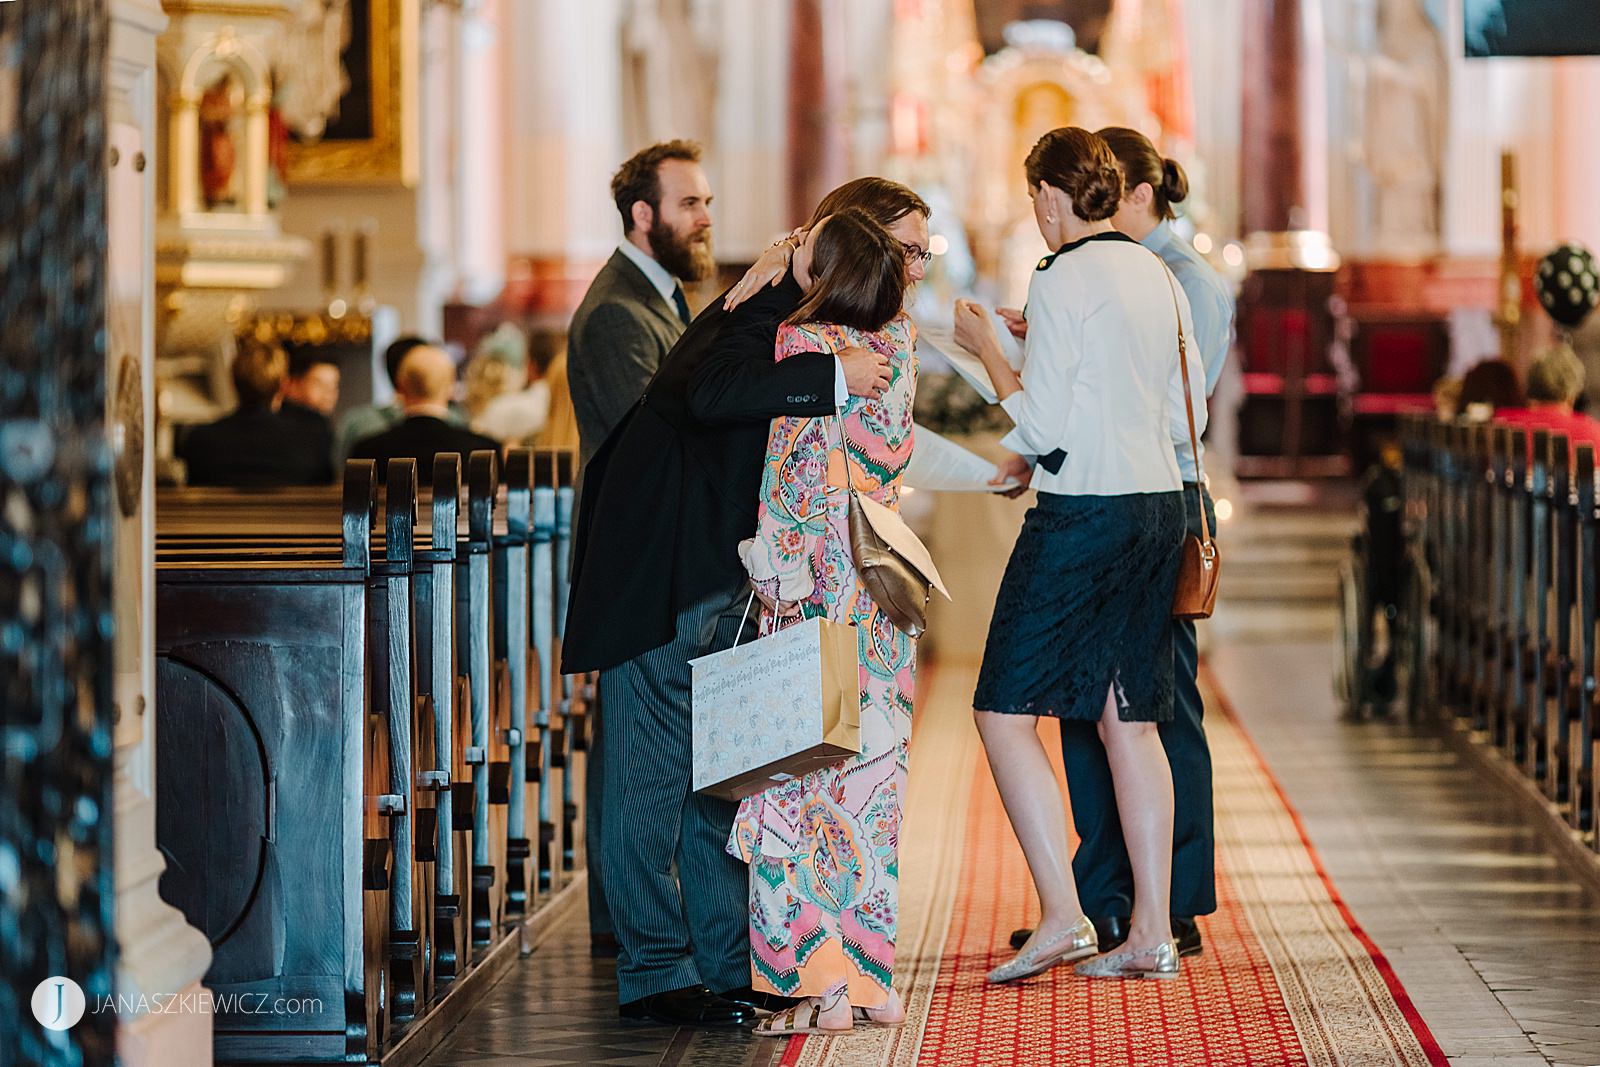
{"x":1099,"y":193}
{"x":1174,"y":182}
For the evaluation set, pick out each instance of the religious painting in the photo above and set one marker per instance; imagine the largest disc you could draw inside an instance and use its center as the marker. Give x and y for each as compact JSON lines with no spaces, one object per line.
{"x":371,"y":138}
{"x":1088,"y":19}
{"x":222,"y":131}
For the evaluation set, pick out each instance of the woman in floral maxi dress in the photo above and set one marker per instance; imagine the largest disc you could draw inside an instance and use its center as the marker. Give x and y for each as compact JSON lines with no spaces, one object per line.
{"x":824,"y":849}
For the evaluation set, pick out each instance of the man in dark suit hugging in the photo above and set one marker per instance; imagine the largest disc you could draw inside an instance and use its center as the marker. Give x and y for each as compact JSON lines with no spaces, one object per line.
{"x":657,"y":582}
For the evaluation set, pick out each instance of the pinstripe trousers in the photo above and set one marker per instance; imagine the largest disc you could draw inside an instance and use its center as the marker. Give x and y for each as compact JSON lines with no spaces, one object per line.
{"x":679,"y":903}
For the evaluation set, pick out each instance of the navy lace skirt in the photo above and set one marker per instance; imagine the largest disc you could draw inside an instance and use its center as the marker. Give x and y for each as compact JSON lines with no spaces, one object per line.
{"x":1086,"y":604}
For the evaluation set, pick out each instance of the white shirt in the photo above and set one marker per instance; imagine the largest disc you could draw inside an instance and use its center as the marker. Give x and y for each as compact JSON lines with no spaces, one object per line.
{"x":1101,"y":381}
{"x":654,"y":272}
{"x":512,"y":418}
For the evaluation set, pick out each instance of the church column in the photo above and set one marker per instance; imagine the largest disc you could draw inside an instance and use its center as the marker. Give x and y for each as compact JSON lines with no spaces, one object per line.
{"x":1284,"y":147}
{"x":819,"y":143}
{"x":1289,"y":418}
{"x":562,"y":146}
{"x":160,"y":954}
{"x":1578,"y":155}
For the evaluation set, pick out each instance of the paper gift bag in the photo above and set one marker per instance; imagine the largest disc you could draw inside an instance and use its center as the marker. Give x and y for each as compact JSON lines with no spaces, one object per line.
{"x":774,"y":708}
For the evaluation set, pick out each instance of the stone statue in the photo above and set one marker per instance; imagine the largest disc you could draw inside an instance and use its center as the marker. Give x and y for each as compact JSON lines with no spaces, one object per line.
{"x":1404,"y":127}
{"x":308,"y":65}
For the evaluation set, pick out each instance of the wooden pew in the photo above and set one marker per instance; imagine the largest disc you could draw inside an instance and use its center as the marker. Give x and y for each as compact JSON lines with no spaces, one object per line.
{"x":576,"y":693}
{"x":261,"y":684}
{"x":1581,"y":724}
{"x":1507,"y":523}
{"x":436,"y":687}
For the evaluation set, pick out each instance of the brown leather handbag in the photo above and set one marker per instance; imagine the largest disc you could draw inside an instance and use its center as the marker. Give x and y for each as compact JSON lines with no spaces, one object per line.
{"x":1200,"y":566}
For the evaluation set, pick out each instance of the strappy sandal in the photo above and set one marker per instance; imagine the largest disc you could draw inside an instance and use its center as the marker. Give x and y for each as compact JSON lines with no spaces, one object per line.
{"x":783,"y":1023}
{"x":862,"y":1015}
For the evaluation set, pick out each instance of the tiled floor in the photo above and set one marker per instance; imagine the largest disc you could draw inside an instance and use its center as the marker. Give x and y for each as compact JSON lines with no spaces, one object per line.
{"x":1498,"y":945}
{"x":559,"y":1007}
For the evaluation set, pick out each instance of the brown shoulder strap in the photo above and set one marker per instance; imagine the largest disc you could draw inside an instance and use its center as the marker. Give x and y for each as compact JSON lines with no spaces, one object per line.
{"x":1188,"y":405}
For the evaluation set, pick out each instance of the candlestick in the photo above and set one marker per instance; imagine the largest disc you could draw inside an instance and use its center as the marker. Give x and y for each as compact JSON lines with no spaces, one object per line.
{"x":330,"y":263}
{"x":363,"y":265}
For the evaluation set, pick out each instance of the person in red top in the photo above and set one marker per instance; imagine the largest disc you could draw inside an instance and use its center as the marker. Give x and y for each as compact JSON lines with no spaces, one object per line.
{"x":1554,"y":383}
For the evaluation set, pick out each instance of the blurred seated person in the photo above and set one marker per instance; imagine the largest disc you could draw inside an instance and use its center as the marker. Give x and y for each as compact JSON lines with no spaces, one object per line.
{"x":310,"y":395}
{"x":561,"y":429}
{"x":369,"y":419}
{"x":1446,"y":399}
{"x":426,"y":381}
{"x":501,"y":402}
{"x":313,"y":381}
{"x":256,"y":447}
{"x":1555,"y":381}
{"x":1490,"y":386}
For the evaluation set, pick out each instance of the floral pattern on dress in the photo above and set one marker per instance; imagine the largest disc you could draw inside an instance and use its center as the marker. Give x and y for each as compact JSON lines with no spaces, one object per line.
{"x":823,"y":849}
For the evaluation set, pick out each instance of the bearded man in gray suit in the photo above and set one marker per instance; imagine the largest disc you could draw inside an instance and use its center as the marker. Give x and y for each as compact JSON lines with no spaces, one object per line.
{"x":635,"y":310}
{"x":632,"y":315}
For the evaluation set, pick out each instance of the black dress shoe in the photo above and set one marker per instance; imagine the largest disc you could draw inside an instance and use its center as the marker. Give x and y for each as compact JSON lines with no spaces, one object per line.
{"x":690,"y":1006}
{"x":757,"y":999}
{"x":1111,"y":931}
{"x":1187,"y":933}
{"x":603,"y":946}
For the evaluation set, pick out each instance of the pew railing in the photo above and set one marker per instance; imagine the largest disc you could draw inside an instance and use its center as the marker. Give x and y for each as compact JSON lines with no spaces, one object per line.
{"x":1504,"y":537}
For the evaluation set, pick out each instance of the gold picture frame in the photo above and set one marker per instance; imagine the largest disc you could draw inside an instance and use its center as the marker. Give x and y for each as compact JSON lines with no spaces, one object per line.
{"x":376,"y":144}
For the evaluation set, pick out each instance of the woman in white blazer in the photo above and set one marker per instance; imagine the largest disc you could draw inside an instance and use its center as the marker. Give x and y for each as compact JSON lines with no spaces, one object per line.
{"x":1082,"y":623}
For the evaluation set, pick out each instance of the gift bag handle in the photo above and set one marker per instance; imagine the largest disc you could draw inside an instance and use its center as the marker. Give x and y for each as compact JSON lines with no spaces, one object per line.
{"x":746,"y":618}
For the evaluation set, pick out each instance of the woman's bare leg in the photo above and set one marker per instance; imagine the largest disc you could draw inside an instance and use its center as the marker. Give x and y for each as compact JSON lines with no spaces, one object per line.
{"x":1143,"y":783}
{"x":1037,"y":812}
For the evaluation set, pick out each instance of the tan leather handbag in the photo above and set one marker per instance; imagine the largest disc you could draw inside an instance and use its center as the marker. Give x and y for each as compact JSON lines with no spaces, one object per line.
{"x":893,"y":564}
{"x":1200,"y":566}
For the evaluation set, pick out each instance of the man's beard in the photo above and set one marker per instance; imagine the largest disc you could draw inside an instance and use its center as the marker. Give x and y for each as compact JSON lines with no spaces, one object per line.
{"x":686,"y":258}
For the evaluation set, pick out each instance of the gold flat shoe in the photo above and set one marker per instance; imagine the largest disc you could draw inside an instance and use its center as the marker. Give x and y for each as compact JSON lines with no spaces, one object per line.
{"x":1077,"y":942}
{"x":1126,"y":963}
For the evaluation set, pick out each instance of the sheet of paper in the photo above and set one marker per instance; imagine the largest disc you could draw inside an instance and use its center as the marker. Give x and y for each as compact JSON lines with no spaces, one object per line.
{"x":941,"y":465}
{"x":942,"y":339}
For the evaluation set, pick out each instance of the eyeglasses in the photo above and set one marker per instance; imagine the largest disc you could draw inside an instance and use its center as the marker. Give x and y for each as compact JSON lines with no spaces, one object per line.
{"x":913,"y":253}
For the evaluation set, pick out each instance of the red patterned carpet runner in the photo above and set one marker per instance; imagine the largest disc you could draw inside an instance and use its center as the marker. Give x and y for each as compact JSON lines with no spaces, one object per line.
{"x":1287,"y":976}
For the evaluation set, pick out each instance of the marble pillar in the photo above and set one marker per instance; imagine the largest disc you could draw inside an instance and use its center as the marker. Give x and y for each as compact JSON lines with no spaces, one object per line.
{"x":1284,"y":156}
{"x":162,"y":958}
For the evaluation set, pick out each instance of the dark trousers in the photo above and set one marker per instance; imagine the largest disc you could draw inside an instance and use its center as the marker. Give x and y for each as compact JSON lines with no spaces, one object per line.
{"x":593,"y":818}
{"x":1101,"y":867}
{"x":679,"y":903}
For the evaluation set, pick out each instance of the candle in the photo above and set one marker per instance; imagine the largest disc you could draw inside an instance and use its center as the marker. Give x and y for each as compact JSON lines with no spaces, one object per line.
{"x":330,"y":262}
{"x":360,"y":256}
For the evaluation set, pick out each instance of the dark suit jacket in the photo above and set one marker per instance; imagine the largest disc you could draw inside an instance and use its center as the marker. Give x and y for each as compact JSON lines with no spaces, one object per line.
{"x":255,"y":448}
{"x":317,"y":431}
{"x":419,"y":437}
{"x":673,"y":490}
{"x":615,"y":344}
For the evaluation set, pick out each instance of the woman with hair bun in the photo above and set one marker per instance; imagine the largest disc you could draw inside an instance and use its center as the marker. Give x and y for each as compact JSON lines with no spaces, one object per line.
{"x":1082,"y":623}
{"x":1151,"y":186}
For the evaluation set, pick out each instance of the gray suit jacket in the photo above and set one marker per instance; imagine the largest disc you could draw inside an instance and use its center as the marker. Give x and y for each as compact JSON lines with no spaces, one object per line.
{"x":614,"y":345}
